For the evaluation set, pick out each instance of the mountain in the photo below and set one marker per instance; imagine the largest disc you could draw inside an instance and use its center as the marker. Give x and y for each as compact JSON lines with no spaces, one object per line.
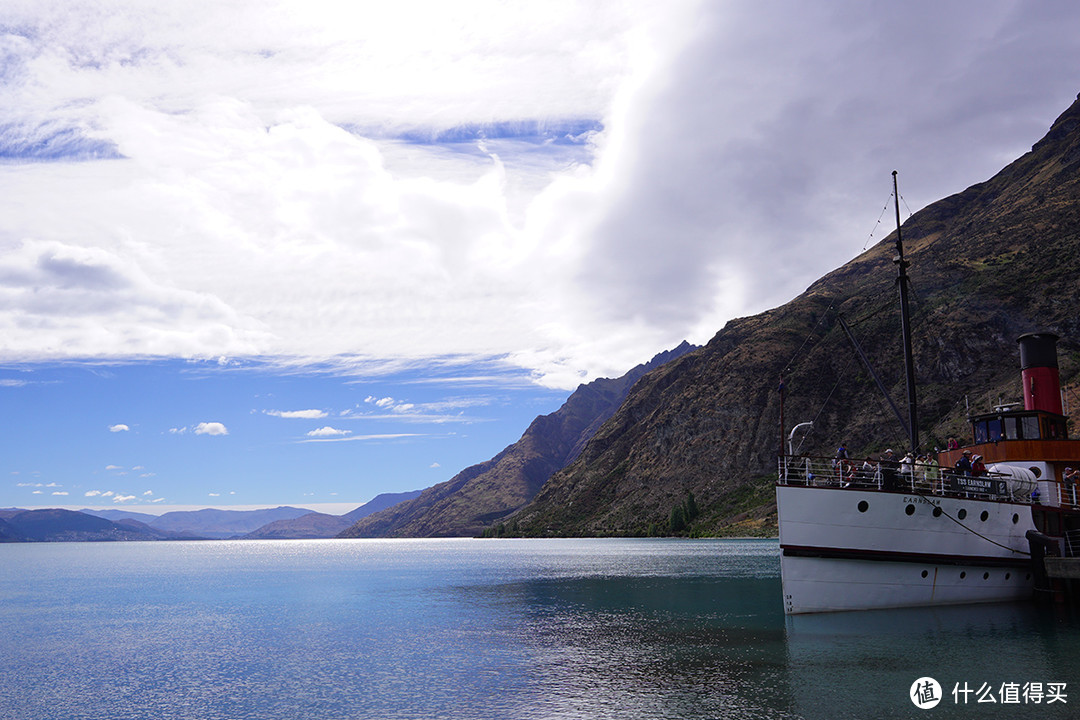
{"x":117,"y":515}
{"x":321,"y":525}
{"x":220,"y":524}
{"x":8,"y":532}
{"x":999,"y":259}
{"x":476,"y":497}
{"x":54,"y":525}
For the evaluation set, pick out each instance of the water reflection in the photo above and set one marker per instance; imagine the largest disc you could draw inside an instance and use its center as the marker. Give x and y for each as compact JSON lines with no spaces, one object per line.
{"x":626,"y":647}
{"x":720,"y":647}
{"x":851,"y":664}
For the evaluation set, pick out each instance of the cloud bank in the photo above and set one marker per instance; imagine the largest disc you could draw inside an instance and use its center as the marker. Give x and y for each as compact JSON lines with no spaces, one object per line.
{"x":571,"y":189}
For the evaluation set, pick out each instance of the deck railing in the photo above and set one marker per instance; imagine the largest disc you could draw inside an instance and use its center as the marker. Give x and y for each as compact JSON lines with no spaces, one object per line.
{"x":1072,"y":543}
{"x":867,"y":474}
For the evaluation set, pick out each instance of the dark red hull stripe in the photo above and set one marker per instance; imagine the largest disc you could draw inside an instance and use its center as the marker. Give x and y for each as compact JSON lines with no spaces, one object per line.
{"x":908,"y":557}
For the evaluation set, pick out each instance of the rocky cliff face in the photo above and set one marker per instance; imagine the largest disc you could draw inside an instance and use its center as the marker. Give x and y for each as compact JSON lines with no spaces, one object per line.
{"x":997,"y":260}
{"x":483,"y":494}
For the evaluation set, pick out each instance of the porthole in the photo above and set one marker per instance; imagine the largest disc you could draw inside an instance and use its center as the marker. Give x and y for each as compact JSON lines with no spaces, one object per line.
{"x":937,"y":512}
{"x":986,"y":576}
{"x":963,"y":575}
{"x":1008,"y":575}
{"x":984,"y":515}
{"x":925,"y":573}
{"x":910,"y":509}
{"x":962,"y":514}
{"x":1016,"y":518}
{"x":1037,"y":472}
{"x":863,"y":506}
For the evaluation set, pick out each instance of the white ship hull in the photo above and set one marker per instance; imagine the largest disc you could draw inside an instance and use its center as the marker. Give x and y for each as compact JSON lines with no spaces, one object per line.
{"x":857,"y":549}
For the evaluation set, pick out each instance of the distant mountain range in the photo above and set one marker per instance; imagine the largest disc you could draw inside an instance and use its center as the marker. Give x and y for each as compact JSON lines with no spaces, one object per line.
{"x":56,"y":525}
{"x":481,"y":495}
{"x":320,"y":525}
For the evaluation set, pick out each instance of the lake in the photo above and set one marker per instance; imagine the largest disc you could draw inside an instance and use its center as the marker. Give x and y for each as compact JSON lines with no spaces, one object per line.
{"x":518,"y":629}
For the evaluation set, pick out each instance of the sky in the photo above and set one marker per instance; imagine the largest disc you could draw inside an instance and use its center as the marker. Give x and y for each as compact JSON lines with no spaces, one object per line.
{"x":304,"y":252}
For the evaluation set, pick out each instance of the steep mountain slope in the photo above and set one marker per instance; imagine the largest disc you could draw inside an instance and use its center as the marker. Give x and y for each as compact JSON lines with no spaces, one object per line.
{"x":480,"y":495}
{"x":996,"y":260}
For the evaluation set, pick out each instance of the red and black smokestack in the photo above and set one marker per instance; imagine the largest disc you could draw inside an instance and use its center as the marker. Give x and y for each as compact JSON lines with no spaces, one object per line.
{"x":1039,"y":367}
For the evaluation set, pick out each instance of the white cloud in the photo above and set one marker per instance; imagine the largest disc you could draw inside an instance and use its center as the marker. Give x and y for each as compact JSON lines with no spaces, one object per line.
{"x":148,"y":492}
{"x":740,"y":141}
{"x":434,"y":465}
{"x":301,"y":414}
{"x":123,"y":498}
{"x":211,"y":428}
{"x":215,"y":494}
{"x":351,"y":438}
{"x":328,"y":432}
{"x":118,"y":428}
{"x":60,"y":492}
{"x":157,"y":500}
{"x":113,"y":468}
{"x":92,"y":493}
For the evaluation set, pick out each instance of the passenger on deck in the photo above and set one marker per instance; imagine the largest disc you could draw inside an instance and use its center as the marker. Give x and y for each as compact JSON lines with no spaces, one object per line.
{"x":840,"y":461}
{"x":952,"y":444}
{"x":889,"y":467}
{"x":963,"y":465}
{"x":1070,"y":479}
{"x":978,"y":468}
{"x":933,"y":471}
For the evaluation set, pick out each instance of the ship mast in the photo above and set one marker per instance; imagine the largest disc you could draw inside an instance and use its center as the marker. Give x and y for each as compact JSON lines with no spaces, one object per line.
{"x":903,"y":281}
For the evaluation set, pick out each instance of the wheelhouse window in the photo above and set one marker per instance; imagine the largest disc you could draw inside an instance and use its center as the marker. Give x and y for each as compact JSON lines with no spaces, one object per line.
{"x":1030,"y":428}
{"x":988,"y":430}
{"x":1012,"y":428}
{"x":1017,"y":427}
{"x":1055,"y":428}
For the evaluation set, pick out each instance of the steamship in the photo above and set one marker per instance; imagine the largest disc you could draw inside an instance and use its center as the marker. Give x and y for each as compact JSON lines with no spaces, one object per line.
{"x":862,"y":535}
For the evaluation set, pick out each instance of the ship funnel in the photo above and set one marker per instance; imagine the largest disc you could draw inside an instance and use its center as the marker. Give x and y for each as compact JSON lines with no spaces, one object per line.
{"x":1039,"y":367}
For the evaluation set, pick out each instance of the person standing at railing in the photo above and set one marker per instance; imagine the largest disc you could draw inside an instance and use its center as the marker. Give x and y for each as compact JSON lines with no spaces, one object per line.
{"x":868,"y":472}
{"x":838,"y":462}
{"x":933,"y":471}
{"x":963,"y":465}
{"x":978,"y":467}
{"x":907,"y":471}
{"x":1070,"y":479}
{"x":890,"y":466}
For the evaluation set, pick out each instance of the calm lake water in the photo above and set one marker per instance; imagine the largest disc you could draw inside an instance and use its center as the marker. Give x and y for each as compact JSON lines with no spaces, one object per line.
{"x":464,"y":629}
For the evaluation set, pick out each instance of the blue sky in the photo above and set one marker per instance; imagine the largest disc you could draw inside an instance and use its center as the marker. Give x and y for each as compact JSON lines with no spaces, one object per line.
{"x":171,"y":434}
{"x":213,"y":211}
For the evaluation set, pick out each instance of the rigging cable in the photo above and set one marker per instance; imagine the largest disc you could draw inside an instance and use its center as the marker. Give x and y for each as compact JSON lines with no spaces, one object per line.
{"x":809,"y":335}
{"x":884,"y":209}
{"x":970,"y":530}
